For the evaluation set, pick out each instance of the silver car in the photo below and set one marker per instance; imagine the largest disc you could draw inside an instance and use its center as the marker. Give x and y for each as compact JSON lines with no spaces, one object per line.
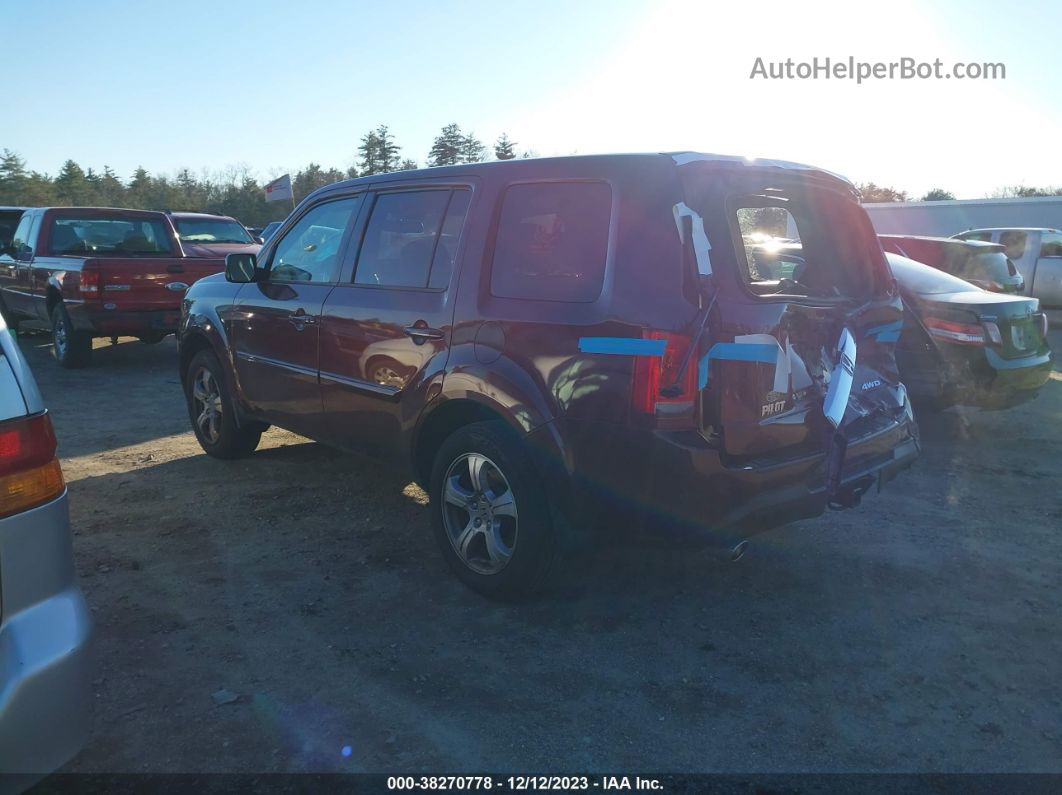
{"x":44,"y":621}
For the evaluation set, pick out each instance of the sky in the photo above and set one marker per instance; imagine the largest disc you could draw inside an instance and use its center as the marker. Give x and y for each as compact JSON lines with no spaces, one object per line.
{"x":271,"y":86}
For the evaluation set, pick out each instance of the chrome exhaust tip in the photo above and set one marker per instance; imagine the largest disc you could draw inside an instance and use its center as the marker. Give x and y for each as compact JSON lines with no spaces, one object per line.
{"x":738,"y":551}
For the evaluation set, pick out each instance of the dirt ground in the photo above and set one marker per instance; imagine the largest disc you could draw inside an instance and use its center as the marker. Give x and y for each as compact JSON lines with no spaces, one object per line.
{"x":918,"y":632}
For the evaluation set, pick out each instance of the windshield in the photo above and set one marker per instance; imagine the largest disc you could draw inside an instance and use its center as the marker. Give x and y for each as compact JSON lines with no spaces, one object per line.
{"x":924,"y":280}
{"x":115,"y":236}
{"x":211,"y":230}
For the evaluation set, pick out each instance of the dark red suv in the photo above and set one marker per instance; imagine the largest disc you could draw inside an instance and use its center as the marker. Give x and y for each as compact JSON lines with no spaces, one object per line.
{"x":535,"y":338}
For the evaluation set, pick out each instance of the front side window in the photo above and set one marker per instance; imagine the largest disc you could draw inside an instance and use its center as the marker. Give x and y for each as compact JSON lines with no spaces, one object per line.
{"x":1051,"y":245}
{"x":211,"y":230}
{"x":309,"y":252}
{"x":112,"y":237}
{"x":1014,"y":243}
{"x":552,"y":241}
{"x":411,"y":239}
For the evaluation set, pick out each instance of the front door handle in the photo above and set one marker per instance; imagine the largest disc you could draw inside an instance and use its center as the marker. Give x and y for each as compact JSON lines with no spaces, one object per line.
{"x":422,"y":333}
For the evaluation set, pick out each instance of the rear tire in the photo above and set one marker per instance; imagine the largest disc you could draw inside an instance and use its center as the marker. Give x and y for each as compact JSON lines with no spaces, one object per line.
{"x":211,"y":410}
{"x":491,"y":512}
{"x":72,"y":348}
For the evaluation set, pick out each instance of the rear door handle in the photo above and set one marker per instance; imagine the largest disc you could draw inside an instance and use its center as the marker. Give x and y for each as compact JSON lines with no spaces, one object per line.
{"x":422,"y":333}
{"x":300,"y":319}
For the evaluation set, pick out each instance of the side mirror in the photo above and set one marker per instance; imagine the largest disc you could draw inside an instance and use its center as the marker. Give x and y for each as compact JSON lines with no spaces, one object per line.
{"x":241,"y":268}
{"x":259,"y":239}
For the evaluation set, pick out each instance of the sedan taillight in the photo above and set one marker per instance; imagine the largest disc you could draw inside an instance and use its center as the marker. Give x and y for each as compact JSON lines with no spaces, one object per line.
{"x":957,"y":333}
{"x":30,"y":474}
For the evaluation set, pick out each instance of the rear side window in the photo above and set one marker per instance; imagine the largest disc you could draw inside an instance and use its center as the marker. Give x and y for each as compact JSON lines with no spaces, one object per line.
{"x":552,"y":241}
{"x":1014,"y":242}
{"x":1051,"y":245}
{"x":411,"y":239}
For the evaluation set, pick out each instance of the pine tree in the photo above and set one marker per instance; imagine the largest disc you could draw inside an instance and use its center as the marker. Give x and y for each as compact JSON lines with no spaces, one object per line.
{"x":407,"y":165}
{"x":111,"y":191}
{"x":446,"y":151}
{"x":71,"y":187}
{"x":137,"y":195}
{"x":370,"y":154}
{"x":472,"y":149}
{"x":504,"y":149}
{"x":379,"y":152}
{"x":13,"y":178}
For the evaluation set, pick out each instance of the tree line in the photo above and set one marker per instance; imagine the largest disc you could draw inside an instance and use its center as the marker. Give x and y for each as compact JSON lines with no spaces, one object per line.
{"x":235,"y":191}
{"x":238,"y":192}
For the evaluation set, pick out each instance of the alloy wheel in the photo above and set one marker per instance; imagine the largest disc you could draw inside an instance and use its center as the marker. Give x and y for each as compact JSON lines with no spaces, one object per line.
{"x":206,"y":399}
{"x":479,"y":513}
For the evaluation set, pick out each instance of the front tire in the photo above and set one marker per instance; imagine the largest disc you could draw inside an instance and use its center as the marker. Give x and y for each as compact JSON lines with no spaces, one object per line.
{"x":72,"y":348}
{"x":491,"y":513}
{"x":211,"y":410}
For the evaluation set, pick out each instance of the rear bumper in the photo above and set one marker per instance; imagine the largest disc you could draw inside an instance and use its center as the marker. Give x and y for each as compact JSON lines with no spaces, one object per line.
{"x":679,"y":480}
{"x":101,"y":322}
{"x":44,"y":639}
{"x":998,"y":383}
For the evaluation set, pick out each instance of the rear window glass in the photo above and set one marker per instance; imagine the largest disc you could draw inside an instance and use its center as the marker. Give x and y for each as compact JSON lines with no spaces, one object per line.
{"x":985,"y":236}
{"x":110,"y":236}
{"x":924,"y":280}
{"x":993,"y":264}
{"x":833,"y":253}
{"x":211,"y":230}
{"x":552,"y":241}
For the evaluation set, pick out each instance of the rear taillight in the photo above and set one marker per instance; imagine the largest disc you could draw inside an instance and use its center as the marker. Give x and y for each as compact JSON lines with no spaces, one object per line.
{"x":652,"y":373}
{"x":29,"y":471}
{"x":992,"y":332}
{"x":90,"y":280}
{"x":958,"y":333}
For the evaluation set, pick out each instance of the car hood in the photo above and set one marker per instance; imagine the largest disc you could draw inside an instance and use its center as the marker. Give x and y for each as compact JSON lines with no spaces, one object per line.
{"x":215,"y":250}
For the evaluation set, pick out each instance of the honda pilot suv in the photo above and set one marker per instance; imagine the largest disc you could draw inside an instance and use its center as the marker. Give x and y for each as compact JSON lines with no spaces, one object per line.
{"x":534,"y":339}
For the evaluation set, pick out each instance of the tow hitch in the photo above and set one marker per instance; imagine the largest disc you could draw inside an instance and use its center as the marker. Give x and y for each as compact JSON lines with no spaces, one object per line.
{"x":850,"y":494}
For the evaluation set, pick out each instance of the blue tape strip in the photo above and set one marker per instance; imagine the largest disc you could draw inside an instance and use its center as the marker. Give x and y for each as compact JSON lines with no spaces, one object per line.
{"x":888,"y":332}
{"x":736,"y":352}
{"x":622,"y":346}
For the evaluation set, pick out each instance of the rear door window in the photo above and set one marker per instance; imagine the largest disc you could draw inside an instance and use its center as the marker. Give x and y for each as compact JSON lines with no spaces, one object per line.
{"x":411,"y":239}
{"x":552,"y":241}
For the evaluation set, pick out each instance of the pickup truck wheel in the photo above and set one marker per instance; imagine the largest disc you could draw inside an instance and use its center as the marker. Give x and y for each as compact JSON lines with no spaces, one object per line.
{"x":211,"y":410}
{"x":72,"y":348}
{"x":490,"y":512}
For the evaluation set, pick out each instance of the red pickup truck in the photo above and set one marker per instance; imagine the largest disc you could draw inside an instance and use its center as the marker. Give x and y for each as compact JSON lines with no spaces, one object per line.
{"x":94,"y":272}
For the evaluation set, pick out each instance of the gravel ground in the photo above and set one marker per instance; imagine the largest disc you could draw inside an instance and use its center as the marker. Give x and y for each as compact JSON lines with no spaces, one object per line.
{"x":301,"y":587}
